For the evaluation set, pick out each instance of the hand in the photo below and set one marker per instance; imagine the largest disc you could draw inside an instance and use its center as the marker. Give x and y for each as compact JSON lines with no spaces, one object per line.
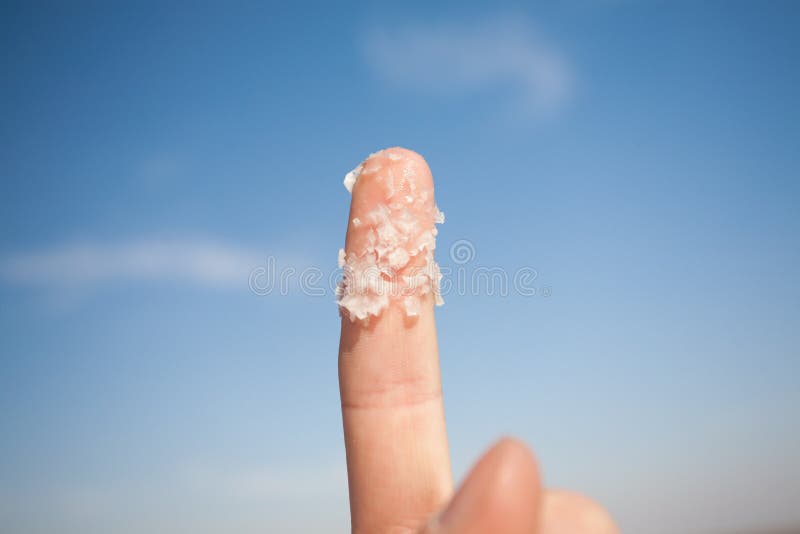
{"x":398,"y":462}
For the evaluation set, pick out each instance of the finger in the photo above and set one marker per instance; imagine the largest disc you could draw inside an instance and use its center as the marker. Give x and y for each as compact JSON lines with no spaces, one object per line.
{"x":397,"y":457}
{"x":501,"y":494}
{"x":567,"y":512}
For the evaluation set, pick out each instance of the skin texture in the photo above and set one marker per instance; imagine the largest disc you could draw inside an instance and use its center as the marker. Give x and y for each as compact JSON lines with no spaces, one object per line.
{"x":397,"y":453}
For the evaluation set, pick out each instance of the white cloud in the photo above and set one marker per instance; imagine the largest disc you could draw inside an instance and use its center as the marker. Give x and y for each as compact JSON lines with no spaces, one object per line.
{"x":502,"y":54}
{"x":77,"y":265}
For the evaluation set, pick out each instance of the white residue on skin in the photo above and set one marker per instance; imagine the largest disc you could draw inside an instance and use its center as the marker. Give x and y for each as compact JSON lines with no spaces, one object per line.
{"x":398,"y":238}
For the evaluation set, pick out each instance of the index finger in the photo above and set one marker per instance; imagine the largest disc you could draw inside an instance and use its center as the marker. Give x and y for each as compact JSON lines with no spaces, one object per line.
{"x":397,"y":457}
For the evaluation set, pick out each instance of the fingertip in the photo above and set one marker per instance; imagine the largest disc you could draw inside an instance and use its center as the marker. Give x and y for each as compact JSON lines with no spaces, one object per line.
{"x":517,"y":475}
{"x":515,"y":450}
{"x":566,"y":511}
{"x":390,"y":172}
{"x":501,"y":493}
{"x":388,"y":258}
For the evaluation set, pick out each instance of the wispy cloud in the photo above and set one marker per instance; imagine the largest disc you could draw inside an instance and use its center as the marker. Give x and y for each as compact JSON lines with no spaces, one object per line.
{"x":503,"y":53}
{"x":79,"y":265}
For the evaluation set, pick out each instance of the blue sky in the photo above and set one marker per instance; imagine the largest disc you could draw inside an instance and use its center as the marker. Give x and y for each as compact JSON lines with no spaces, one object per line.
{"x":641,"y":156}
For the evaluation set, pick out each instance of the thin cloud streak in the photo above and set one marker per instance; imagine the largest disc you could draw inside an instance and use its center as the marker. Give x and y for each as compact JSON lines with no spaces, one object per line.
{"x":197,"y":262}
{"x":500,"y":54}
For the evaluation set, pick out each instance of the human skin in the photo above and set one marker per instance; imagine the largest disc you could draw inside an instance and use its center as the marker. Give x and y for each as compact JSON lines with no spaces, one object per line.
{"x":398,"y":462}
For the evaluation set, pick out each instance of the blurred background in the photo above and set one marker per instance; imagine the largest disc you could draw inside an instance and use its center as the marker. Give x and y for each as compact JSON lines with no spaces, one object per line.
{"x":638,"y":159}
